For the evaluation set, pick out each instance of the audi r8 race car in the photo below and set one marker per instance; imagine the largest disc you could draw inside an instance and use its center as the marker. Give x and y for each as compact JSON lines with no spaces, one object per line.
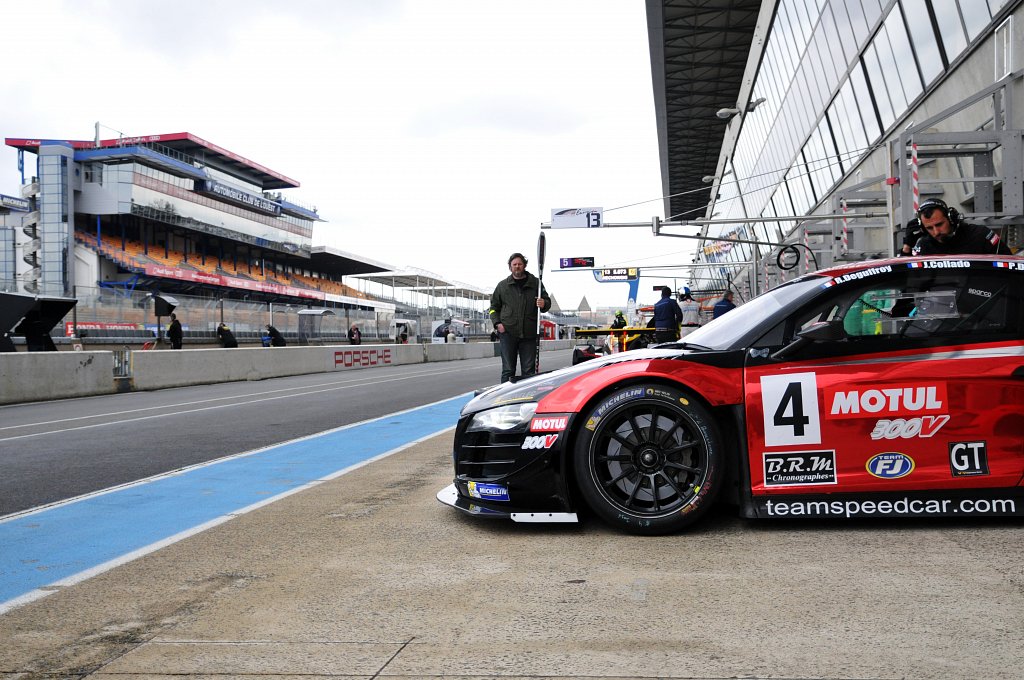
{"x":887,"y":388}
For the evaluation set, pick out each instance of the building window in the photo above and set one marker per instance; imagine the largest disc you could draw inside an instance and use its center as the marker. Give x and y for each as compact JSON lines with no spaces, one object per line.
{"x":976,"y":18}
{"x":1004,"y":48}
{"x":954,"y":37}
{"x":94,"y":173}
{"x":923,"y":39}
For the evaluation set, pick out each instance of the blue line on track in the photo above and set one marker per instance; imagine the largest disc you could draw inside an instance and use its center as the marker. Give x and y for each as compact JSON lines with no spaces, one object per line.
{"x":42,"y":548}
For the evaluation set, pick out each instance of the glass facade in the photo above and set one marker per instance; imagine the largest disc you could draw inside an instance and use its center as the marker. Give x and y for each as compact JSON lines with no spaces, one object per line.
{"x":9,"y":234}
{"x":54,"y":233}
{"x":837,"y":77}
{"x":162,"y":196}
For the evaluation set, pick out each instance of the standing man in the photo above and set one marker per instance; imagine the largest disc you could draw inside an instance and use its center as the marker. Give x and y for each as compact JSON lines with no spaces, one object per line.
{"x":691,"y":315}
{"x":667,"y":317}
{"x":354,"y":336}
{"x":174,"y":333}
{"x":515,"y":304}
{"x":945,"y":233}
{"x":724,"y":305}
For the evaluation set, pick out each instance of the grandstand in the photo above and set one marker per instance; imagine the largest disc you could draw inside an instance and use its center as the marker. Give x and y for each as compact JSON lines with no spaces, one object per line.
{"x":176,"y":215}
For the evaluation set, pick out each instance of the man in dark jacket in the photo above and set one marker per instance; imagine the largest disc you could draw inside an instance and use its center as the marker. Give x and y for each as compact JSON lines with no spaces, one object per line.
{"x":276,"y":339}
{"x":667,"y":317}
{"x":227,"y":338}
{"x":174,"y":332}
{"x":515,"y":304}
{"x":724,"y":305}
{"x":945,"y":233}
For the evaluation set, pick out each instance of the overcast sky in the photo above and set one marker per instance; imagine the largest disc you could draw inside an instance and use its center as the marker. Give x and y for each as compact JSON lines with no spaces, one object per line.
{"x":436,"y":134}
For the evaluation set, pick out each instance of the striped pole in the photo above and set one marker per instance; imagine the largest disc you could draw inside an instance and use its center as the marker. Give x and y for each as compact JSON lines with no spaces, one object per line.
{"x":846,"y":227}
{"x":913,"y":176}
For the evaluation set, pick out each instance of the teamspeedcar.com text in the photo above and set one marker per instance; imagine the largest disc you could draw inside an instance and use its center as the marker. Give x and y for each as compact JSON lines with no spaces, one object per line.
{"x":905,"y":507}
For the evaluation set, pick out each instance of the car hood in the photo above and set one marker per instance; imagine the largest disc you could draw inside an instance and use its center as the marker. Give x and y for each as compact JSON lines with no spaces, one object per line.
{"x":533,"y":389}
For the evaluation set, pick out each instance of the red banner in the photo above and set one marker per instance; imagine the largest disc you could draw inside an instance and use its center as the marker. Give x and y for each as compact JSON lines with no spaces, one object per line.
{"x":231,"y":282}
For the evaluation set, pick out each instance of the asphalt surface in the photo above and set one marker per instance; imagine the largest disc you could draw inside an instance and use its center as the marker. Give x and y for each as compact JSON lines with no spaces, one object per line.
{"x":361,"y":573}
{"x":368,"y":576}
{"x":51,"y":451}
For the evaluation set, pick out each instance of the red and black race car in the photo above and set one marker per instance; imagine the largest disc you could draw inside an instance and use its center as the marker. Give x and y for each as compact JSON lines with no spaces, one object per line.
{"x":888,"y":388}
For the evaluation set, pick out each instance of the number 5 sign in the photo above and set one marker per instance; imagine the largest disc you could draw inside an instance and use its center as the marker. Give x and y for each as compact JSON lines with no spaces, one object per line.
{"x":577,"y":218}
{"x":791,"y":414}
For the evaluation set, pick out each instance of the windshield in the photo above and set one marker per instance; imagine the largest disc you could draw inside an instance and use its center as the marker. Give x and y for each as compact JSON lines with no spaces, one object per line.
{"x":743,"y":325}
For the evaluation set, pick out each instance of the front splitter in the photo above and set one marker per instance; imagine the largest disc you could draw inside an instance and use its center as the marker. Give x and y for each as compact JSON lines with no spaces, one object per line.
{"x":449,"y":495}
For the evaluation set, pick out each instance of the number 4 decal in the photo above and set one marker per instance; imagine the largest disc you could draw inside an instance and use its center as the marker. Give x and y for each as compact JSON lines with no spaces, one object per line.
{"x":790,"y":404}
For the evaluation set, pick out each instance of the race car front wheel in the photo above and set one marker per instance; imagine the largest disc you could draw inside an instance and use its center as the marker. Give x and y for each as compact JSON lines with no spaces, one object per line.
{"x":647,"y":459}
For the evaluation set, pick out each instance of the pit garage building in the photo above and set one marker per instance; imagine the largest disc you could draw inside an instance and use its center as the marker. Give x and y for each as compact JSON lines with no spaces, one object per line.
{"x":822,"y":124}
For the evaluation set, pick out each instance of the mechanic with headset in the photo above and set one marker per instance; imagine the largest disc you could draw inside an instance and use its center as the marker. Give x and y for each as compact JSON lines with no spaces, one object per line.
{"x":946,"y":233}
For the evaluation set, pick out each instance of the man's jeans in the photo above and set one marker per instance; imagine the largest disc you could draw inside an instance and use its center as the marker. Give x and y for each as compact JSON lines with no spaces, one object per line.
{"x":511,"y":348}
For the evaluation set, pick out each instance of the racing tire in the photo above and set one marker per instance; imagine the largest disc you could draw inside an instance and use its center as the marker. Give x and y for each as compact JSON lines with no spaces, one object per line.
{"x":647,"y":459}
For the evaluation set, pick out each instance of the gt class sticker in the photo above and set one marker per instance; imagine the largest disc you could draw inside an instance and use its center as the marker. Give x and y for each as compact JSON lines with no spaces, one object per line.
{"x":799,"y":468}
{"x":790,"y":409}
{"x":968,"y":459}
{"x":890,"y":465}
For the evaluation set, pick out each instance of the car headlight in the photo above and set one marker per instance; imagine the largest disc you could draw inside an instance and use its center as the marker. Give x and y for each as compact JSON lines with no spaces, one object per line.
{"x":510,"y":418}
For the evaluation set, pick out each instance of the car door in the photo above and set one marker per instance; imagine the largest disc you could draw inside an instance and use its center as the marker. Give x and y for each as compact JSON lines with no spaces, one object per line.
{"x":917,"y":384}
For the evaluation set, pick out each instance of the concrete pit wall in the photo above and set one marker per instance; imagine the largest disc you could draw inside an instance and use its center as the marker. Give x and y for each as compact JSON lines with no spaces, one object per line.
{"x":40,"y":376}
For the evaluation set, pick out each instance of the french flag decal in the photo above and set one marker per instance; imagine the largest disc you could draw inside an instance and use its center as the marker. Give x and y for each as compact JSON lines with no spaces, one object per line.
{"x":914,"y":265}
{"x":1001,"y":265}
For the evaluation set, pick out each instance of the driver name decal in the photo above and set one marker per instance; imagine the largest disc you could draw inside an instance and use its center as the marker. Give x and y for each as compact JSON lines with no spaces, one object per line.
{"x":891,"y":401}
{"x":856,"y":276}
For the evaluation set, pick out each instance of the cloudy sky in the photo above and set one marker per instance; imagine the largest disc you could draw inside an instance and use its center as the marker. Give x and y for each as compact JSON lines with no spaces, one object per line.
{"x":437,"y":134}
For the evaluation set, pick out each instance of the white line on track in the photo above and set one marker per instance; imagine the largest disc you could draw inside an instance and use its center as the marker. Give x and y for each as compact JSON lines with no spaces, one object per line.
{"x":106,"y":566}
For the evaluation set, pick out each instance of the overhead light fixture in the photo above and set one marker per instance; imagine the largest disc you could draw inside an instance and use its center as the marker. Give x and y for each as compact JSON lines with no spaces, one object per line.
{"x":730,"y":112}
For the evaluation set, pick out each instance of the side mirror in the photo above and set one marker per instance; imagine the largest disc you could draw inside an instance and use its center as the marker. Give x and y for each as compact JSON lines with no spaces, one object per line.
{"x":822,"y":331}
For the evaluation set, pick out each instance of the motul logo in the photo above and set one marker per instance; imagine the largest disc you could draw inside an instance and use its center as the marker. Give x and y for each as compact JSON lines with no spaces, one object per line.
{"x":545,"y":441}
{"x":898,"y":401}
{"x":549,"y":424}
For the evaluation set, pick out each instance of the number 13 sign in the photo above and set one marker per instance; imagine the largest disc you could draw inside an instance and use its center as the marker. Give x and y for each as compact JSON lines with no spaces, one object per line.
{"x":577,"y":218}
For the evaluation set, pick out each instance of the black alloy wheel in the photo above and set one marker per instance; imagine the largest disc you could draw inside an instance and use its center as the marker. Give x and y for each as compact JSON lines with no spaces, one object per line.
{"x":647,"y":459}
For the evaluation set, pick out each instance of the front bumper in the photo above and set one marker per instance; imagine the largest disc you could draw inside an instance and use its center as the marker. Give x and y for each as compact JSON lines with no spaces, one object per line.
{"x":449,"y":495}
{"x":514,"y":475}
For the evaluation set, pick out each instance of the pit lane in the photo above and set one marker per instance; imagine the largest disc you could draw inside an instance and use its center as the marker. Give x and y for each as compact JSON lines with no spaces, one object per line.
{"x":368,"y":576}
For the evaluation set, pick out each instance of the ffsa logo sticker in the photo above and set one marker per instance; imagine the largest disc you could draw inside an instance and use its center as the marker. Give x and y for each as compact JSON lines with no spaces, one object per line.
{"x":890,"y":465}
